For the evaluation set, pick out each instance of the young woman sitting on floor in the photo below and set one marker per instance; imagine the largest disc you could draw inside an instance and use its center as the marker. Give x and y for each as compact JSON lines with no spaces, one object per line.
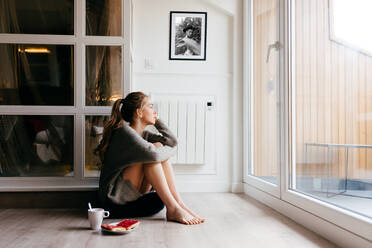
{"x":136,"y":161}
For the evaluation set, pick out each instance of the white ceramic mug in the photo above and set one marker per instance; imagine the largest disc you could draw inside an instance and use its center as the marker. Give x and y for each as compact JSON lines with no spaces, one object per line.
{"x":95,"y":216}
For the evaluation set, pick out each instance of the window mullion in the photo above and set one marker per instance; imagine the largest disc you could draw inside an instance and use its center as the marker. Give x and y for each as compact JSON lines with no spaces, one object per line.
{"x":79,"y":89}
{"x":37,"y":39}
{"x":126,"y":48}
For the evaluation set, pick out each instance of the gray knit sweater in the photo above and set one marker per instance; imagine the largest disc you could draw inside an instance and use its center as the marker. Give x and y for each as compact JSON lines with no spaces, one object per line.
{"x":127,"y":147}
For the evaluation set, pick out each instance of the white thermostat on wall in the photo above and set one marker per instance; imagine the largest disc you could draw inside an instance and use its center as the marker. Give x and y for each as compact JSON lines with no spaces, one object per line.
{"x":209,"y":105}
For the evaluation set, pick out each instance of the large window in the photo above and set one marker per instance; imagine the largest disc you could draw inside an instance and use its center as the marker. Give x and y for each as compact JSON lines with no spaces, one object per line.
{"x":63,"y":64}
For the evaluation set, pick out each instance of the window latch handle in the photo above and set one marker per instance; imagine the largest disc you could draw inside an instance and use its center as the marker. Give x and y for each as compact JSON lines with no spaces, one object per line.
{"x":276,"y":46}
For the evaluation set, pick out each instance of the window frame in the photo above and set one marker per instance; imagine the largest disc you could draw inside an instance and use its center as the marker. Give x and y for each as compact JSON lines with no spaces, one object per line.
{"x":248,"y":138}
{"x":79,"y":40}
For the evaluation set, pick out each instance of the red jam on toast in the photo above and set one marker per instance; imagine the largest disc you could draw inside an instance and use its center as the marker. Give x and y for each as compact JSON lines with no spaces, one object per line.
{"x":123,"y":225}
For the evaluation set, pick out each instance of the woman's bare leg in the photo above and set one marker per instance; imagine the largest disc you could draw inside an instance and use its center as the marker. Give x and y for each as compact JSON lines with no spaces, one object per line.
{"x":143,"y":176}
{"x":155,"y":175}
{"x":169,"y":175}
{"x":135,"y":175}
{"x":145,"y":187}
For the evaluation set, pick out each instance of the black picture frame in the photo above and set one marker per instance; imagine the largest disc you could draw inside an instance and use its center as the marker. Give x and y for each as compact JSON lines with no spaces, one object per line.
{"x":187,"y":35}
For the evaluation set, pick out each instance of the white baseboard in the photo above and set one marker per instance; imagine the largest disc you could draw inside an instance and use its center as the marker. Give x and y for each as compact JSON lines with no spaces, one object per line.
{"x":328,"y":230}
{"x":237,"y":187}
{"x":192,"y":186}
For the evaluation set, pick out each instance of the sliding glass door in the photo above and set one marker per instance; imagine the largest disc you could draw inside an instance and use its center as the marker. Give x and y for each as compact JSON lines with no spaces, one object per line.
{"x":308,"y":107}
{"x":264,"y":93}
{"x":332,"y":81}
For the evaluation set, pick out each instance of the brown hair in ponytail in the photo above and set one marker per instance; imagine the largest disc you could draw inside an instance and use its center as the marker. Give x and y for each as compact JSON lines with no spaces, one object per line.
{"x":131,"y":103}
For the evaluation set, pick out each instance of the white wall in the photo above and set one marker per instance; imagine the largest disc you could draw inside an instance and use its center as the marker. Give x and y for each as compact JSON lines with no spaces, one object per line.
{"x":220,"y":75}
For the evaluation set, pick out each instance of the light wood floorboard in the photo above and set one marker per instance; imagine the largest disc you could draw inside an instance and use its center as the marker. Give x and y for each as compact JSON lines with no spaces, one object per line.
{"x":233,"y":220}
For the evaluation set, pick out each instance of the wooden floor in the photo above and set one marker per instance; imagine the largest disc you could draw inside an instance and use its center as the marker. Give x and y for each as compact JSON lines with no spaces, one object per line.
{"x":233,"y":220}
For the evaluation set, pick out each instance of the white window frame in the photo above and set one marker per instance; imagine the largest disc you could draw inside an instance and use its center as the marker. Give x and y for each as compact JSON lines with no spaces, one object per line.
{"x":333,"y":217}
{"x":248,"y":138}
{"x":79,"y":110}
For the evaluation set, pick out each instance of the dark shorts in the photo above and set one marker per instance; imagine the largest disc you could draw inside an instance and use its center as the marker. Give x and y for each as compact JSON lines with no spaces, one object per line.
{"x":146,"y":205}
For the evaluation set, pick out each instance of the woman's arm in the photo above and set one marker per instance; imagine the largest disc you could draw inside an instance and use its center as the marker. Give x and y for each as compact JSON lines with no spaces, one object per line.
{"x":127,"y":147}
{"x":166,"y":138}
{"x":152,"y":153}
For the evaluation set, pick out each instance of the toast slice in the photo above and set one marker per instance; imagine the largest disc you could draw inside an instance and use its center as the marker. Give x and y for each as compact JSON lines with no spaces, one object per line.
{"x":123,"y":225}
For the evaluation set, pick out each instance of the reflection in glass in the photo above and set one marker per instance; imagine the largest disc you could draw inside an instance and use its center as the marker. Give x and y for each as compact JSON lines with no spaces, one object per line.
{"x":93,"y":135}
{"x":36,"y":74}
{"x":103,"y":17}
{"x":37,"y":17}
{"x":103,"y":75}
{"x":36,"y":146}
{"x":333,"y":139}
{"x":265,"y":91}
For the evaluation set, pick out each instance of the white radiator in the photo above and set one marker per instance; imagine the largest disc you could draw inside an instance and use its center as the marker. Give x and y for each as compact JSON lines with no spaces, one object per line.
{"x":192,"y":119}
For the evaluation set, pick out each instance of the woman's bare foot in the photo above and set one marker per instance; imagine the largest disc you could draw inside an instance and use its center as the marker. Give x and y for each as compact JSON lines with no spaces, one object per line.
{"x":182,"y":216}
{"x":201,"y":220}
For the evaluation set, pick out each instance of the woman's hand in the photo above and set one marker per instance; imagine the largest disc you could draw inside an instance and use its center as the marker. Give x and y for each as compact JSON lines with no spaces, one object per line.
{"x":157,"y":144}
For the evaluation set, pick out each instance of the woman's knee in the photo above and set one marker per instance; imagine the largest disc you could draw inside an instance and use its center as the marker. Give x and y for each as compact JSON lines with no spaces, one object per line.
{"x":166,"y":163}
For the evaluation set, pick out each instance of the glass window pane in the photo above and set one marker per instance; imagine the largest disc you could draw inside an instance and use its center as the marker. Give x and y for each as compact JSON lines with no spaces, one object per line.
{"x":36,"y":74}
{"x":37,"y":17}
{"x":333,"y":139}
{"x":36,"y":146}
{"x":350,"y":31}
{"x":103,"y":17}
{"x":93,"y":135}
{"x":265,"y":90}
{"x":103,"y":75}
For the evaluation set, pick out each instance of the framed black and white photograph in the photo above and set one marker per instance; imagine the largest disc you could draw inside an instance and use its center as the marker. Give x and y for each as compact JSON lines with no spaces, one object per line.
{"x":188,"y":35}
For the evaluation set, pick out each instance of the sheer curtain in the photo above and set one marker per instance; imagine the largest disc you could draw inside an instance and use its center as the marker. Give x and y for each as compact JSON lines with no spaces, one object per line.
{"x":8,"y":21}
{"x":8,"y":156}
{"x":102,"y":64}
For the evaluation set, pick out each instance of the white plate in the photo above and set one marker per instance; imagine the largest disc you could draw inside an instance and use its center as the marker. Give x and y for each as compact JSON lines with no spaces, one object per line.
{"x":118,"y":231}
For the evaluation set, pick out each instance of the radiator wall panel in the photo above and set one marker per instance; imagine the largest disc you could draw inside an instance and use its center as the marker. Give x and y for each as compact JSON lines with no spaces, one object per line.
{"x":193,"y":122}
